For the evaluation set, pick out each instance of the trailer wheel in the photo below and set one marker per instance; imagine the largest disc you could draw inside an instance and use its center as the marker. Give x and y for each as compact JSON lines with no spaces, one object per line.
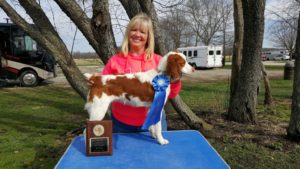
{"x":29,"y":78}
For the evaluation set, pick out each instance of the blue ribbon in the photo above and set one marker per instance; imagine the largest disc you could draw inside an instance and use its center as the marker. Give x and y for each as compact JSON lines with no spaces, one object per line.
{"x":160,"y":84}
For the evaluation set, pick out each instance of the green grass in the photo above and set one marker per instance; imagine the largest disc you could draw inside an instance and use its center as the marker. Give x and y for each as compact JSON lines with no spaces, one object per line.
{"x":281,"y":108}
{"x":206,"y":96}
{"x":33,"y":122}
{"x":214,"y":97}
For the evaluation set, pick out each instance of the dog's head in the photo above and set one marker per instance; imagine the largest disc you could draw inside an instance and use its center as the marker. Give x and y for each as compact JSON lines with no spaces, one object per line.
{"x":174,"y":64}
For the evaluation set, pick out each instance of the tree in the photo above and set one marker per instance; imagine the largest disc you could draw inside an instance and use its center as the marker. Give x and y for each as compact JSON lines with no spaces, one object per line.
{"x":242,"y":107}
{"x":97,"y":30}
{"x":283,"y":31}
{"x":284,"y":35}
{"x":293,"y":130}
{"x":175,"y":25}
{"x":206,"y":19}
{"x":237,"y":55}
{"x":237,"y":47}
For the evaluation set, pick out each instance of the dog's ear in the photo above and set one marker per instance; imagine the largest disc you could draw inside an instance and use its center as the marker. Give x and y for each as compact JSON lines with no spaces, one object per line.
{"x":174,"y":66}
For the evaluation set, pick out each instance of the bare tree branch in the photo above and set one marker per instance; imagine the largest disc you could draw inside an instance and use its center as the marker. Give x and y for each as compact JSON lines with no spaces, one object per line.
{"x":82,"y":21}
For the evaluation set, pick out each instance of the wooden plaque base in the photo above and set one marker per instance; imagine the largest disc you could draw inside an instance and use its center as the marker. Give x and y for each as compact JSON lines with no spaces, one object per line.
{"x":99,"y":138}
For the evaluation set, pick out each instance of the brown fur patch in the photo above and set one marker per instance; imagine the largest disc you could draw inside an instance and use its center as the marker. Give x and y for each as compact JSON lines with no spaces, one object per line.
{"x":123,"y":85}
{"x":174,"y":66}
{"x":96,"y":87}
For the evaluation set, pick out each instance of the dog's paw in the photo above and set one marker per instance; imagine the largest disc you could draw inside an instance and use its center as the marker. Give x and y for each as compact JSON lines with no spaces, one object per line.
{"x":163,"y":141}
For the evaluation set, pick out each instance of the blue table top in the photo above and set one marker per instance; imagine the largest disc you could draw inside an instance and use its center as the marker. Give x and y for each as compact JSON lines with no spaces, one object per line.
{"x":187,"y":149}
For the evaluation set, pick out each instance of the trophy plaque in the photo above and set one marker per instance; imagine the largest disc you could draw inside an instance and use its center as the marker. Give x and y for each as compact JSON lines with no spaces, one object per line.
{"x":99,"y":138}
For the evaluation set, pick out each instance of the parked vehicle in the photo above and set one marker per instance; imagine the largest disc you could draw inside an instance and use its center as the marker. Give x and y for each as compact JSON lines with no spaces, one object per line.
{"x":22,"y":59}
{"x":203,"y":56}
{"x":277,"y":54}
{"x":281,"y":57}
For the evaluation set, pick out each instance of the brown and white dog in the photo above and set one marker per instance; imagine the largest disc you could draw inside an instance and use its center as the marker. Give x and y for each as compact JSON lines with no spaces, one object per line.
{"x":135,"y":89}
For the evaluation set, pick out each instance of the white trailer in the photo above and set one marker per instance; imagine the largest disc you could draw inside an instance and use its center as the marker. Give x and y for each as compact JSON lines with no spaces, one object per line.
{"x":203,"y":56}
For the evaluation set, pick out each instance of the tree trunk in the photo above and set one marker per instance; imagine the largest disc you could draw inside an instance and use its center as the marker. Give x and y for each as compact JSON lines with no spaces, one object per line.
{"x":293,"y":130}
{"x":224,"y":45}
{"x":237,"y":47}
{"x":243,"y":105}
{"x":132,"y":7}
{"x":268,"y":96}
{"x":102,"y":29}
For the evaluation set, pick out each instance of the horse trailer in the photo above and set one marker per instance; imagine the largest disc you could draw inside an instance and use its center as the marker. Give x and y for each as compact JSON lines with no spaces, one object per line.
{"x":203,"y":56}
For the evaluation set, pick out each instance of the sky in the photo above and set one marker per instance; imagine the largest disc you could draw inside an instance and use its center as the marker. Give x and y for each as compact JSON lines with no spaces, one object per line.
{"x":271,"y":7}
{"x":67,"y":29}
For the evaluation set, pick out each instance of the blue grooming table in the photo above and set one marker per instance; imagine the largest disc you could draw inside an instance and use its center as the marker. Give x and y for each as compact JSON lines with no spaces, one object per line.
{"x":187,"y":149}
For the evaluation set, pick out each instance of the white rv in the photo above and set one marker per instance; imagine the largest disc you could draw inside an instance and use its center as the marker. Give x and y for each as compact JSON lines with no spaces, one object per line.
{"x":203,"y":56}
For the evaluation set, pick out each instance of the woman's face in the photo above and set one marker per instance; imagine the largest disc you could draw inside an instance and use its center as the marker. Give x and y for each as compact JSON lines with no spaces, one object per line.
{"x":138,"y":37}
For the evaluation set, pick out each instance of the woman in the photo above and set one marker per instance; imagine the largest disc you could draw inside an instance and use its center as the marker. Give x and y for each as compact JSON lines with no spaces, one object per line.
{"x":137,"y":55}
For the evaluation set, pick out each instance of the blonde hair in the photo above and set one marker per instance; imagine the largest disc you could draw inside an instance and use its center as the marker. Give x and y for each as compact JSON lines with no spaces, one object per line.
{"x":146,"y":22}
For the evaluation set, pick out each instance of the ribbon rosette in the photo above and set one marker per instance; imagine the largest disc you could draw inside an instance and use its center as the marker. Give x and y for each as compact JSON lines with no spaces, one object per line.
{"x":160,"y":84}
